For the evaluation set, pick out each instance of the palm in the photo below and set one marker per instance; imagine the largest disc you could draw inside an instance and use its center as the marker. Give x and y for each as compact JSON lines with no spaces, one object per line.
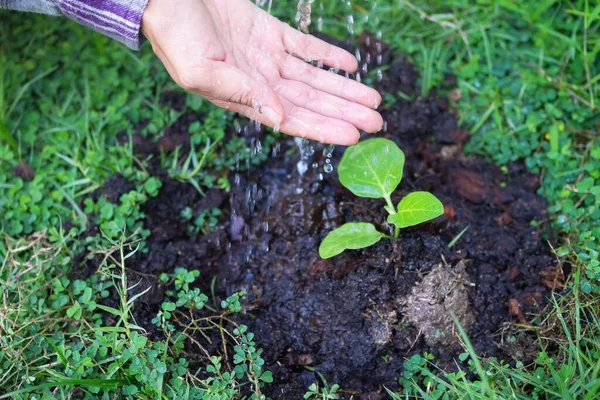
{"x":247,"y":61}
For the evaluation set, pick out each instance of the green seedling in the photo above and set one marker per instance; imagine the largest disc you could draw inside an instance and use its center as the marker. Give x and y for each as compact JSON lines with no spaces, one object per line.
{"x":373,"y":169}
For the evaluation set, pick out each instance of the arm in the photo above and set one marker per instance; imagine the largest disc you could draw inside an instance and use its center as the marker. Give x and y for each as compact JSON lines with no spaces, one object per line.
{"x":240,"y":58}
{"x":117,"y":19}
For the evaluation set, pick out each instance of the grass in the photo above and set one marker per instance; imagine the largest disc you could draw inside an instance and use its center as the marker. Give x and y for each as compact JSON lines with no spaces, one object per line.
{"x":530,"y":87}
{"x":571,"y":372}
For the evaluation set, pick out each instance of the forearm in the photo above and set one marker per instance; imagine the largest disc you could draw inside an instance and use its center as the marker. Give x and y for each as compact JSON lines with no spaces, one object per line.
{"x":118,"y":19}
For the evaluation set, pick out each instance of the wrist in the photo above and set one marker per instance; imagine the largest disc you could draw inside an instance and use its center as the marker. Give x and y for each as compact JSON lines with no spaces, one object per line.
{"x":149,"y":17}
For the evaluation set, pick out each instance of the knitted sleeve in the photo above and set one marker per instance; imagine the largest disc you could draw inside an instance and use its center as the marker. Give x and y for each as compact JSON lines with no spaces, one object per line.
{"x":118,"y":19}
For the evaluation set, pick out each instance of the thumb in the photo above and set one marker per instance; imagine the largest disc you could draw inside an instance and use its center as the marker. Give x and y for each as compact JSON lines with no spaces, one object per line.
{"x":228,"y":84}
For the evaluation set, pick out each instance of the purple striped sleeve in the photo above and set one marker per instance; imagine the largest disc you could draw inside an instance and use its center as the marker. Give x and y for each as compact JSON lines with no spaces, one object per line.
{"x":118,"y":19}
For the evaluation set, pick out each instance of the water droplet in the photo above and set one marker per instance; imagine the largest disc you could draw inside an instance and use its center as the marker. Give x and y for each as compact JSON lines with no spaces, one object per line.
{"x":276,"y":149}
{"x":257,"y":147}
{"x":328,"y":150}
{"x":306,"y":151}
{"x":328,"y":168}
{"x":302,"y":166}
{"x":379,"y":75}
{"x":315,"y":165}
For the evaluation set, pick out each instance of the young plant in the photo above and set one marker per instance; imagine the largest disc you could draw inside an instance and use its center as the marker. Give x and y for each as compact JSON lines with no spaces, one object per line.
{"x":373,"y":169}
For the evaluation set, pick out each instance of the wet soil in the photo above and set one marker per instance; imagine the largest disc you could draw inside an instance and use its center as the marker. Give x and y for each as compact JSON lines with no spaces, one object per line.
{"x":356,"y":318}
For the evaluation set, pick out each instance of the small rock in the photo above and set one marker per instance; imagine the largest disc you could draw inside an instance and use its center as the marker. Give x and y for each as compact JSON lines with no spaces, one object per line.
{"x":237,"y":228}
{"x":294,"y":360}
{"x":455,"y":95}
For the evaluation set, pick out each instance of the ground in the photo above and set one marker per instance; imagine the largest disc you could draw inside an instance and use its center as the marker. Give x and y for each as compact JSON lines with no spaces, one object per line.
{"x":117,"y":187}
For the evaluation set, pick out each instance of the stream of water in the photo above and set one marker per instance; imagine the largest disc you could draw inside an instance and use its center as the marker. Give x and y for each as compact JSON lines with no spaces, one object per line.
{"x":306,"y":148}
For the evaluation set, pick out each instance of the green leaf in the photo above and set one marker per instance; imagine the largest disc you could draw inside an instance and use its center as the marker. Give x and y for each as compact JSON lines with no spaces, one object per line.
{"x":585,"y":184}
{"x":5,"y":136}
{"x":267,"y":377}
{"x":415,"y":209}
{"x":87,"y":295}
{"x":372,"y":168}
{"x":74,"y":311}
{"x":352,"y":236}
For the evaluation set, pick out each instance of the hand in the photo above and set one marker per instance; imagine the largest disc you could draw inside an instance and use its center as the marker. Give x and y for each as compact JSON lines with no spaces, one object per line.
{"x":242,"y":59}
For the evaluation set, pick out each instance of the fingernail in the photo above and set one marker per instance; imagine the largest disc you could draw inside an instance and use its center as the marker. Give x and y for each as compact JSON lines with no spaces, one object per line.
{"x":271,"y":116}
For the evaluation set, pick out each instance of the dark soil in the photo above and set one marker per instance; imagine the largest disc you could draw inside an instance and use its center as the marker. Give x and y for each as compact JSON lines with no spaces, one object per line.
{"x":356,"y":318}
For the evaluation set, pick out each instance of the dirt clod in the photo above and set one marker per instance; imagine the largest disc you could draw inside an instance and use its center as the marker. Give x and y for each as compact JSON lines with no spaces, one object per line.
{"x":24,"y":171}
{"x":441,"y":294}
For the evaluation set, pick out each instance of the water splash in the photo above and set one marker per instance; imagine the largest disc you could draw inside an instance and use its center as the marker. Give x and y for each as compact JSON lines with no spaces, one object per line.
{"x":306,"y":151}
{"x":303,"y":15}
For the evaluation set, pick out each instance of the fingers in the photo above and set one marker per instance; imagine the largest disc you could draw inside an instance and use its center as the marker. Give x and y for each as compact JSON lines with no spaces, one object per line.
{"x":223,"y":83}
{"x":294,"y":69}
{"x":302,"y":95}
{"x":307,"y":124}
{"x":310,"y":48}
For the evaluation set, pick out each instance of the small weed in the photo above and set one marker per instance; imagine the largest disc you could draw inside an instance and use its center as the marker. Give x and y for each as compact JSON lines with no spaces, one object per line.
{"x":204,"y":223}
{"x":326,"y":392}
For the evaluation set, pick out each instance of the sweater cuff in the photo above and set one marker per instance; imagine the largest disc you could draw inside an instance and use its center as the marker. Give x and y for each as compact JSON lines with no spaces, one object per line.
{"x":118,"y":19}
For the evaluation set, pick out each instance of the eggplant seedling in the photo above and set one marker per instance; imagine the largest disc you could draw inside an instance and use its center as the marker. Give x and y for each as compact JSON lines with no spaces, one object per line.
{"x":373,"y":169}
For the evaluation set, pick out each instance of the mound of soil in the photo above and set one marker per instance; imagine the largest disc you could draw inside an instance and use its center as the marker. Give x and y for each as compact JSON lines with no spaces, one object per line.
{"x":356,"y":317}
